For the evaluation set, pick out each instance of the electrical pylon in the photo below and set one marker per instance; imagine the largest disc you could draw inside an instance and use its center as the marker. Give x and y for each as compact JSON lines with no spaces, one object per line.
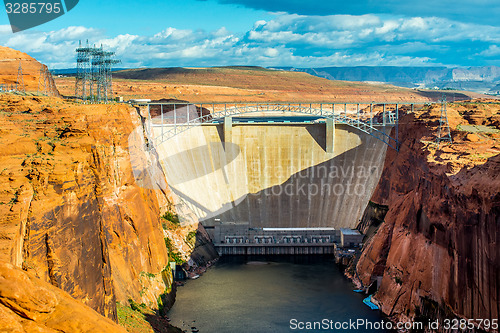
{"x":444,"y":133}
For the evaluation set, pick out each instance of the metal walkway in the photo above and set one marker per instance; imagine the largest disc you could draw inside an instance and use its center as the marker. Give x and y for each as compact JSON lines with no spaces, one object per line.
{"x":166,"y":120}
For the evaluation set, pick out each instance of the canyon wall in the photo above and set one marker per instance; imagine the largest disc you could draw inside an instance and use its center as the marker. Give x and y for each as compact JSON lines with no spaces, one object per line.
{"x":28,"y":304}
{"x":438,"y":249}
{"x":72,"y":211}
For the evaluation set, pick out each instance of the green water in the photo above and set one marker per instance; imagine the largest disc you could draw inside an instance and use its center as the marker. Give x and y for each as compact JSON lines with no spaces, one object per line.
{"x":253,"y":295}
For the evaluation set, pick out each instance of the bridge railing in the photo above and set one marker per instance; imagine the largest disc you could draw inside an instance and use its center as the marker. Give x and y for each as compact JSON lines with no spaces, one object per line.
{"x":166,"y":120}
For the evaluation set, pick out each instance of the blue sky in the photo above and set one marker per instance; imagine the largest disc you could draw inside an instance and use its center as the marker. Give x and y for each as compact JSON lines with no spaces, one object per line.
{"x":271,"y":33}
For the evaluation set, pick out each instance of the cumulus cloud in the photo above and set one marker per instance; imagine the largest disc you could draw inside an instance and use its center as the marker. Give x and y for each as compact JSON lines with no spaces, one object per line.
{"x":286,"y":40}
{"x":476,"y":11}
{"x":347,"y":30}
{"x":491,"y":51}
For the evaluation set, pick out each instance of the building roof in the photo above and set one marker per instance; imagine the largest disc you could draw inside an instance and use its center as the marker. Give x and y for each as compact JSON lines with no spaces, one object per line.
{"x":346,"y":231}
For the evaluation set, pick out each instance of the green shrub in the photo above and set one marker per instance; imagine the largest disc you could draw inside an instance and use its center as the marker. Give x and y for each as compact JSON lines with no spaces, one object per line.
{"x":191,"y":238}
{"x":172,"y":254}
{"x":147,"y":274}
{"x":133,"y":305}
{"x":169,"y":216}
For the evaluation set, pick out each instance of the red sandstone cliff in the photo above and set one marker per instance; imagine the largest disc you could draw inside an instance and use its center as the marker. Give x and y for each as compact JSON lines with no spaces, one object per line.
{"x":72,"y":212}
{"x":30,"y":305}
{"x":438,"y":250}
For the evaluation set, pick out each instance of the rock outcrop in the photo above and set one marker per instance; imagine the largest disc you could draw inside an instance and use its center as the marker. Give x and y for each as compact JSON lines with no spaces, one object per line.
{"x":10,"y":60}
{"x":28,"y":304}
{"x":438,"y":250}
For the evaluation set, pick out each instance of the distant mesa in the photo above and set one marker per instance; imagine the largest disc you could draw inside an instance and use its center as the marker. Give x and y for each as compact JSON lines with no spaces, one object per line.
{"x":484,"y":80}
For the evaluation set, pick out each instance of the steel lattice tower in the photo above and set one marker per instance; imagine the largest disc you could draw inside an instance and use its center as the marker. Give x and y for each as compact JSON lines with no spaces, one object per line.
{"x":444,"y":133}
{"x":42,"y":81}
{"x":46,"y":85}
{"x":83,"y":83}
{"x":51,"y":85}
{"x":93,"y":75}
{"x":20,"y":79}
{"x":96,"y":83}
{"x":108,"y":64}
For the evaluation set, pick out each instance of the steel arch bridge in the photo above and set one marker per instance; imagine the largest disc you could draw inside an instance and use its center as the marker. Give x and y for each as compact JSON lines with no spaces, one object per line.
{"x":166,"y":120}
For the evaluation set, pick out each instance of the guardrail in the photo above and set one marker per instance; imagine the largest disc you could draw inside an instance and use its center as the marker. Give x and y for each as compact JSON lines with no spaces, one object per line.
{"x":173,"y":118}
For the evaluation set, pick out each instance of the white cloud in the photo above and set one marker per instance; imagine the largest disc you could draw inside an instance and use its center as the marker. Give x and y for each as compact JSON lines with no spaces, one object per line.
{"x":259,"y":23}
{"x":492,"y":51}
{"x":5,"y":29}
{"x":369,"y":28}
{"x":271,"y":52}
{"x":74,"y":33}
{"x":286,"y":40}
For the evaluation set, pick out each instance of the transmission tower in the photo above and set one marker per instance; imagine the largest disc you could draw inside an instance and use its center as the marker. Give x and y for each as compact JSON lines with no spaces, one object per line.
{"x":98,"y":75}
{"x":20,"y":79}
{"x":52,"y":89}
{"x":46,"y":85}
{"x":108,"y":64}
{"x":83,"y":83}
{"x":93,"y":77}
{"x":444,"y":133}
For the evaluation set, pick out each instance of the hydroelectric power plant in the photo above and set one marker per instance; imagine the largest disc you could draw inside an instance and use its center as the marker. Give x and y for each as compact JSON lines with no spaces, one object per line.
{"x":273,"y":178}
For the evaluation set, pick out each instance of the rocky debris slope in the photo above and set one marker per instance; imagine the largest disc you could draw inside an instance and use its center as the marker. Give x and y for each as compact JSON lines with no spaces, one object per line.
{"x":438,"y":250}
{"x":72,"y":211}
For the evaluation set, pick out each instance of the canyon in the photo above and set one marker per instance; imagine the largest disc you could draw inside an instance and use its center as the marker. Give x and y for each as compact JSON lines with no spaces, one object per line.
{"x":82,"y":239}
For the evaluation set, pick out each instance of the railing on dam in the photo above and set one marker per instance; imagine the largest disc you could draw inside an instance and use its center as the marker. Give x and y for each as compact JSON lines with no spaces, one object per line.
{"x":168,"y":119}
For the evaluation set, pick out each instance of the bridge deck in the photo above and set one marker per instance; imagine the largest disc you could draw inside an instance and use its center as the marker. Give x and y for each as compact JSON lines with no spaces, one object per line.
{"x":175,"y":118}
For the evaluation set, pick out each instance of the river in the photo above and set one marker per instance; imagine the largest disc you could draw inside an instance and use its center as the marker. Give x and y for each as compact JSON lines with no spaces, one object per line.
{"x":243,"y":295}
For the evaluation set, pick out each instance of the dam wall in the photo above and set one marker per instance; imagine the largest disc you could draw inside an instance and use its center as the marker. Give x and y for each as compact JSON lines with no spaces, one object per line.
{"x":273,"y":175}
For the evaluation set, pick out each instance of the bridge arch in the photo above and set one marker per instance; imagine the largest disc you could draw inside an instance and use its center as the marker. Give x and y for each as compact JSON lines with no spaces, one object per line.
{"x":174,"y":118}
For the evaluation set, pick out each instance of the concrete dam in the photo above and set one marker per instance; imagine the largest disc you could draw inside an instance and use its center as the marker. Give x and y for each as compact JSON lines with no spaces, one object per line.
{"x":295,"y":171}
